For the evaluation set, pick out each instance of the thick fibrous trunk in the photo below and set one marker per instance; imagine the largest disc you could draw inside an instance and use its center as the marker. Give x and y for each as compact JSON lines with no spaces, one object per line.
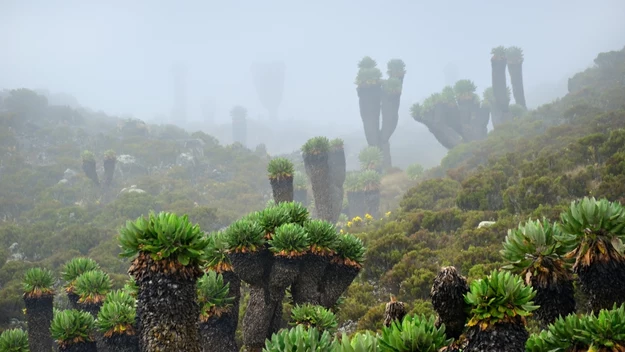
{"x":121,"y":343}
{"x":500,"y":89}
{"x":109,"y":171}
{"x":91,"y":308}
{"x":252,"y":267}
{"x":301,"y":196}
{"x":337,"y":166}
{"x":369,"y":98}
{"x":390,"y":117}
{"x":516,"y":79}
{"x":257,"y":319}
{"x":232,"y":316}
{"x":357,"y":205}
{"x":305,"y":289}
{"x":603,"y":283}
{"x":394,"y":311}
{"x":336,"y":279}
{"x":318,"y":171}
{"x":90,"y":171}
{"x":439,"y":123}
{"x":39,"y":315}
{"x":217,"y":335}
{"x":508,"y":337}
{"x":473,"y":120}
{"x":447,"y":295}
{"x":167,"y":305}
{"x":372,"y":202}
{"x":73,"y":300}
{"x":282,"y":189}
{"x":80,"y":347}
{"x":553,"y":301}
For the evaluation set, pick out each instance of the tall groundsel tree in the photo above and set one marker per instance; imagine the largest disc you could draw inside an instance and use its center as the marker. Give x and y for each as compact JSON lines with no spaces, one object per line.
{"x":168,"y":251}
{"x":281,"y":172}
{"x":499,"y":109}
{"x":73,"y":331}
{"x":499,"y":304}
{"x":116,"y":321}
{"x":514,"y":56}
{"x":38,"y":298}
{"x":215,"y":305}
{"x":316,"y":153}
{"x":595,"y":229}
{"x":533,"y":251}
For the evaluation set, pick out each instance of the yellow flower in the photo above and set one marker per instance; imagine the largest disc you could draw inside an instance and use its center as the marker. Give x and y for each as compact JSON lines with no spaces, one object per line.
{"x":388,"y":213}
{"x":342,"y":231}
{"x":349,"y":224}
{"x":368,"y":217}
{"x":357,"y":219}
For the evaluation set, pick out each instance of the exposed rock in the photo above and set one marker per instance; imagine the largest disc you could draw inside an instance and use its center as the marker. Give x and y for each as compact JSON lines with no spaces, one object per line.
{"x":131,"y":189}
{"x":485,"y":224}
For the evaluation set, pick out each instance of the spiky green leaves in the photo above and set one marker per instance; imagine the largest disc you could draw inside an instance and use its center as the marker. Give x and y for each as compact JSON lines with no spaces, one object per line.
{"x":396,"y":68}
{"x":93,"y":286}
{"x":352,"y":181}
{"x":298,"y":339}
{"x":72,"y":326}
{"x":430,"y":102}
{"x":120,"y":296}
{"x":499,"y":297}
{"x":316,"y":146}
{"x":413,"y":333}
{"x":116,"y":318}
{"x":245,"y":236}
{"x":448,"y":96}
{"x":131,"y":287}
{"x":280,"y":168}
{"x":514,"y":55}
{"x":297,"y":213}
{"x":533,"y":251}
{"x":350,"y":250}
{"x":498,"y":53}
{"x":367,"y":62}
{"x":392,"y":86}
{"x":602,"y":332}
{"x":415,"y":112}
{"x":164,"y":236}
{"x":38,"y":282}
{"x":596,"y":229}
{"x":370,"y":158}
{"x":370,"y":180}
{"x":212,"y":295}
{"x":87,"y":156}
{"x":216,"y":253}
{"x":273,"y":217}
{"x":74,"y":268}
{"x":322,"y":236}
{"x":368,"y":73}
{"x":360,"y":342}
{"x":110,"y":155}
{"x":488,"y":97}
{"x":414,"y":171}
{"x":336,"y":144}
{"x":14,"y":340}
{"x":314,"y":316}
{"x":465,"y":90}
{"x":289,"y":240}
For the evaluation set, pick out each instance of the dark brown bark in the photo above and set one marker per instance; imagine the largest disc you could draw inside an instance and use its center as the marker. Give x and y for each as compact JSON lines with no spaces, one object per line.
{"x":369,"y":98}
{"x":109,"y":171}
{"x":603,"y":283}
{"x":390,"y":118}
{"x":502,"y":337}
{"x":257,"y":319}
{"x":500,"y":90}
{"x":553,"y":301}
{"x":336,"y":279}
{"x":282,"y":189}
{"x":232,"y":316}
{"x":39,"y":315}
{"x":90,"y":171}
{"x":318,"y":171}
{"x":337,"y":166}
{"x":79,"y":347}
{"x":516,"y":79}
{"x":121,"y":343}
{"x":305,"y":289}
{"x":252,"y":267}
{"x":217,"y":335}
{"x":447,"y":295}
{"x":372,"y":202}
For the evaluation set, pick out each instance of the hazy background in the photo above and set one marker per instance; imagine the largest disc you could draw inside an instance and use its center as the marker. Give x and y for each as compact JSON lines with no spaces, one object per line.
{"x":116,"y":55}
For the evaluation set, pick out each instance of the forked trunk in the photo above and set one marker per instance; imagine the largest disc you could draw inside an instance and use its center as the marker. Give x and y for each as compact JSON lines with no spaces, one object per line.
{"x":387,"y":161}
{"x":39,"y":315}
{"x":372,"y":202}
{"x":553,"y":301}
{"x":252,"y":267}
{"x":337,"y":166}
{"x":217,"y":334}
{"x":516,"y":79}
{"x":301,"y":196}
{"x":369,"y":98}
{"x":357,"y":205}
{"x":257,"y":319}
{"x":167,"y":304}
{"x":603,"y":282}
{"x":79,"y":347}
{"x":318,"y":171}
{"x":502,"y":337}
{"x":121,"y":343}
{"x":232,"y":316}
{"x":437,"y":121}
{"x":305,"y":289}
{"x":336,"y":279}
{"x":282,"y":189}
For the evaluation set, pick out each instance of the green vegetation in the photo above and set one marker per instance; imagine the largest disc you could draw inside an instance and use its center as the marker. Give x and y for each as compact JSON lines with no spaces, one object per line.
{"x":216,"y":253}
{"x":370,"y":158}
{"x":314,"y":316}
{"x":120,"y":296}
{"x":415,"y":171}
{"x":316,"y":145}
{"x":212,"y":293}
{"x":38,"y":282}
{"x":350,"y":250}
{"x":76,"y":267}
{"x":413,"y":333}
{"x":289,"y":240}
{"x":322,"y":237}
{"x":299,"y":339}
{"x":71,"y":327}
{"x":14,"y":340}
{"x":245,"y":236}
{"x":93,"y":286}
{"x":116,"y":318}
{"x":279,"y":168}
{"x":163,"y":236}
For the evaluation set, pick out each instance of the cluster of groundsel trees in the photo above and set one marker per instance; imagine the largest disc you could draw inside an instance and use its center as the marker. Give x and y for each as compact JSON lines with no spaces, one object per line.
{"x":457,"y":115}
{"x":363,"y":186}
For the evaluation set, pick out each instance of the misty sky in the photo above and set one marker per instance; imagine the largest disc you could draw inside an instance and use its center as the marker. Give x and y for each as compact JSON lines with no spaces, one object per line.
{"x":116,"y":55}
